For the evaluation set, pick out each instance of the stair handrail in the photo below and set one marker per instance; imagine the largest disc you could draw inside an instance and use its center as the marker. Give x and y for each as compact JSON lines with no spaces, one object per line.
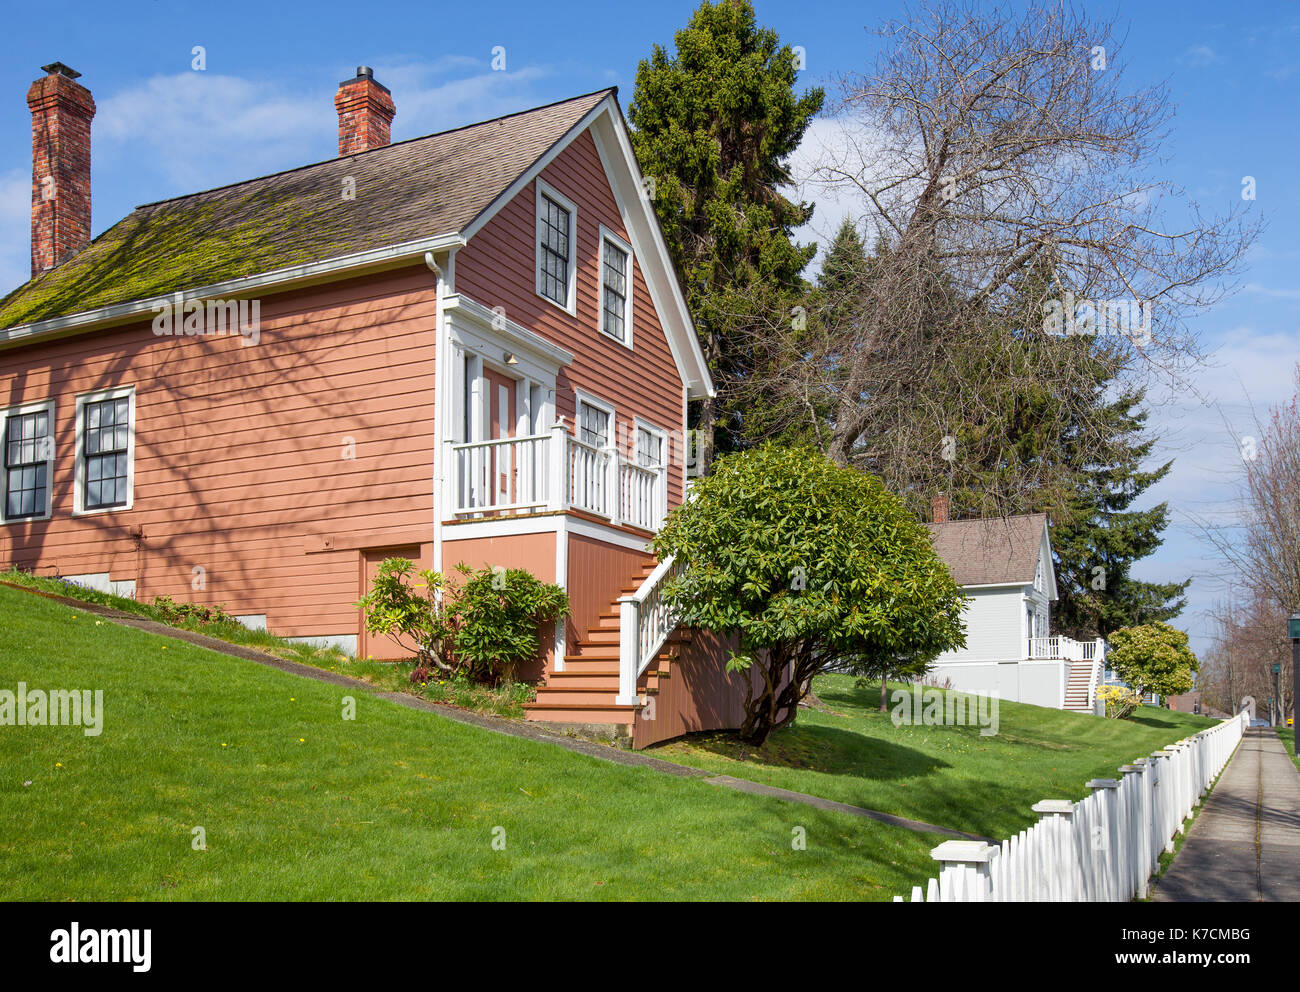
{"x":644,"y":623}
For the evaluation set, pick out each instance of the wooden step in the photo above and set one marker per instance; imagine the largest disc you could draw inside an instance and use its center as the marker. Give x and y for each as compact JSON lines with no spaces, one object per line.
{"x":561,"y":713}
{"x":557,"y":696}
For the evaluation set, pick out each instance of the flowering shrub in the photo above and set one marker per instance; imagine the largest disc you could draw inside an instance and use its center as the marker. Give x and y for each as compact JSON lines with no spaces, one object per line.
{"x":1120,"y":701}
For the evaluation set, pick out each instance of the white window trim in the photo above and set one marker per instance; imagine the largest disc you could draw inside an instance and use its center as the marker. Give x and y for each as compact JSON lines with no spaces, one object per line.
{"x":79,"y":475}
{"x":580,"y":397}
{"x":641,"y":424}
{"x":544,"y":189}
{"x":18,"y":411}
{"x":607,"y":235}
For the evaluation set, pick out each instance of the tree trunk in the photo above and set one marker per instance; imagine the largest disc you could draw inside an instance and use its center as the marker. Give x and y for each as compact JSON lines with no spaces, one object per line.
{"x":883,"y":683}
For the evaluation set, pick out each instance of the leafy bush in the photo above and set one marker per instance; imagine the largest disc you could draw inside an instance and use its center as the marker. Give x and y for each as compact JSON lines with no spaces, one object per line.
{"x":1120,"y":701}
{"x":482,"y":629}
{"x":812,"y":565}
{"x":1153,"y":657}
{"x":175,"y":614}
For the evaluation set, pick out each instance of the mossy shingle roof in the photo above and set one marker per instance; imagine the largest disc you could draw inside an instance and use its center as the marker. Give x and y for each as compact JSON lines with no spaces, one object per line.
{"x":404,"y":192}
{"x":991,"y":550}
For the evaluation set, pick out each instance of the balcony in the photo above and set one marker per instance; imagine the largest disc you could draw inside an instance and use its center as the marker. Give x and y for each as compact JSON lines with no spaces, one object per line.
{"x":555,"y":472}
{"x":1065,"y":649}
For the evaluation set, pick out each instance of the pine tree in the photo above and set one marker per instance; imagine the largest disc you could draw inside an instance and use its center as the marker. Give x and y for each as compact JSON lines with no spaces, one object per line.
{"x":714,"y":124}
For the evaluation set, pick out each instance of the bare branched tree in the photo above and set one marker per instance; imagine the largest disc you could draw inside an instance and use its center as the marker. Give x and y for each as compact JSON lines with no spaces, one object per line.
{"x":1008,"y":178}
{"x":1262,"y":548}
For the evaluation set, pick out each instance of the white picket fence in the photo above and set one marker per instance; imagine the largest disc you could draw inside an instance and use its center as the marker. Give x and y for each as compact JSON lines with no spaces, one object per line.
{"x":1100,"y":849}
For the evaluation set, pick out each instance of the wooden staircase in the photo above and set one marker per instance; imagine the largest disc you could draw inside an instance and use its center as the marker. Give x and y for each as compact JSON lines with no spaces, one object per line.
{"x":1078,"y":687}
{"x":585,"y":692}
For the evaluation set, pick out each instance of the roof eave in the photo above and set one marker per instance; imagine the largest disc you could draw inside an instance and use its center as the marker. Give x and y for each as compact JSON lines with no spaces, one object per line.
{"x":370,"y":260}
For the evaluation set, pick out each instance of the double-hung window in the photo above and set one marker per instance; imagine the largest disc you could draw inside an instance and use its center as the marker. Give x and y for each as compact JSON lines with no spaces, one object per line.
{"x":557,"y":222}
{"x":28,"y":437}
{"x":649,"y":447}
{"x":593,"y":424}
{"x":615,"y":287}
{"x":105,"y":450}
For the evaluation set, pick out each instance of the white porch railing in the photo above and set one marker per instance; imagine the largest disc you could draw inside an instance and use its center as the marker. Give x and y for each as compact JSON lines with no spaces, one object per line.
{"x":1100,"y":849}
{"x":556,"y":471}
{"x":1065,"y":649}
{"x":644,"y":623}
{"x":505,"y":474}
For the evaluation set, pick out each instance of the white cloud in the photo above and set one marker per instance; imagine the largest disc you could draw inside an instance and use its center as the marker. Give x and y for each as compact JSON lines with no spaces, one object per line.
{"x":196,"y":130}
{"x":1199,"y":56}
{"x":1277,"y":294}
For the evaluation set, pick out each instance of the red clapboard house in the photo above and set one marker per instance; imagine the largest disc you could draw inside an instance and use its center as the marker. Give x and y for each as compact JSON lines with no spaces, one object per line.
{"x":467,"y":347}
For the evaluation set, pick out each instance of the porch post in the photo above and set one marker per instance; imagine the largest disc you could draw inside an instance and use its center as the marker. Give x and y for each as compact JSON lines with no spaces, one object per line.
{"x":556,"y":472}
{"x":629,"y":643}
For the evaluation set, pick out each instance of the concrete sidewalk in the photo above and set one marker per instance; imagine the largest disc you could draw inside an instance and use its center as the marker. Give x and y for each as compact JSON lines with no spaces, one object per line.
{"x":1245,"y":845}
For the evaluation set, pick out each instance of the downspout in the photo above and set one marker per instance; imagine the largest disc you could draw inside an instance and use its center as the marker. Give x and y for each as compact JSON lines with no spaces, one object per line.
{"x":439,"y":396}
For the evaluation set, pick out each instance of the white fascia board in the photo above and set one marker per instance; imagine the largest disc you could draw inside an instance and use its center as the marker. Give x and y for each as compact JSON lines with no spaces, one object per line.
{"x":625,"y":179}
{"x":389,"y":256}
{"x":1045,"y":550}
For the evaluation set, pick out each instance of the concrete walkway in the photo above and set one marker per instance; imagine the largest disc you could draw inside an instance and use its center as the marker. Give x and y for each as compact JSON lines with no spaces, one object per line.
{"x":497,"y":724}
{"x":1245,"y":845}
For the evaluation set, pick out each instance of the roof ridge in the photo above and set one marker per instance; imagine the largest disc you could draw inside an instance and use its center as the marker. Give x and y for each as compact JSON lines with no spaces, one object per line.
{"x":394,"y":144}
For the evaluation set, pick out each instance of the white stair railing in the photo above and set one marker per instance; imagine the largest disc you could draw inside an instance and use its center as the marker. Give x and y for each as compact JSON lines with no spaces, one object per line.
{"x":644,"y":622}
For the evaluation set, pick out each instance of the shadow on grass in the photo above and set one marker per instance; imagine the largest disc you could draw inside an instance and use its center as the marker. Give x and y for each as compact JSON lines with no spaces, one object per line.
{"x":827,"y":750}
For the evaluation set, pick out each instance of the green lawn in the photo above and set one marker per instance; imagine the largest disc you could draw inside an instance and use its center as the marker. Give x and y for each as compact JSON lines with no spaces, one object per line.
{"x":950,"y":776}
{"x":503,"y":700}
{"x":298,"y":803}
{"x":1288,"y":738}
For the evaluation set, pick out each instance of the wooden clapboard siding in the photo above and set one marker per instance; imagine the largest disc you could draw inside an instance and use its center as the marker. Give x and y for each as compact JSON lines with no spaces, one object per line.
{"x":598,"y":573}
{"x":534,"y":552}
{"x":239,"y":465}
{"x":498,"y":268}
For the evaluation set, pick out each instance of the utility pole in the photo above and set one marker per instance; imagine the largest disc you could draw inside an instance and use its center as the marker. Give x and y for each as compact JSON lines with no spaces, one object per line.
{"x":1293,"y":631}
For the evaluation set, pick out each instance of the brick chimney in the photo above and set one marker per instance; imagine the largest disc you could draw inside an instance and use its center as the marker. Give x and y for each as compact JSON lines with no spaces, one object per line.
{"x":939,"y":509}
{"x":62,"y":110}
{"x":366,"y":112}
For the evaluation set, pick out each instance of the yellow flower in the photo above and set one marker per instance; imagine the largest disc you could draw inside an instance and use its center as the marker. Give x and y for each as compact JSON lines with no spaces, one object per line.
{"x":223,"y":745}
{"x":302,"y":740}
{"x":58,"y":764}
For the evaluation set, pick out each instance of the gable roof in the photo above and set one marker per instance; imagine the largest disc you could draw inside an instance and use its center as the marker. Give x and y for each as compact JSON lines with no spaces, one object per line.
{"x":991,"y":551}
{"x":404,"y":192}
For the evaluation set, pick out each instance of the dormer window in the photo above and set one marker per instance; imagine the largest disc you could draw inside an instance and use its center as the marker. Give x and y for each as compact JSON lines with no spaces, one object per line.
{"x":557,"y":222}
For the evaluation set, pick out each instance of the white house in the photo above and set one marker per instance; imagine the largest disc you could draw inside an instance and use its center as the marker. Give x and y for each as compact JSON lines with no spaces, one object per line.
{"x":1004,"y":566}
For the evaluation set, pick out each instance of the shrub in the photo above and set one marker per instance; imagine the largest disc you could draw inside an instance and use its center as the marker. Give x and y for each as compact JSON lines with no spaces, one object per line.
{"x":1153,"y":657}
{"x":481,"y":630}
{"x":809,"y":565}
{"x":174,"y":613}
{"x":1120,"y":701}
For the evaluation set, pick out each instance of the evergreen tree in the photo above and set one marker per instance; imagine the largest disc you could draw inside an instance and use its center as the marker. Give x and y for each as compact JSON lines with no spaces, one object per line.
{"x":714,"y":124}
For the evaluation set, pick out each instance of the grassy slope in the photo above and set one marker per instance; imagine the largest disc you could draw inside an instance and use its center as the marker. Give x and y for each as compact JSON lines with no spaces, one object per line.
{"x":949,"y":776}
{"x":299,"y":804}
{"x":504,"y":700}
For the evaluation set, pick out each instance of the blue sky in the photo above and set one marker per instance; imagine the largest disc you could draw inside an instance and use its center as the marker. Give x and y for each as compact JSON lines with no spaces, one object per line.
{"x":264,"y":103}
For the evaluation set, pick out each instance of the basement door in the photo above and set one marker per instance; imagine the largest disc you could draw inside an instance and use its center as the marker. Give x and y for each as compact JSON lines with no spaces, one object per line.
{"x":378,"y":646}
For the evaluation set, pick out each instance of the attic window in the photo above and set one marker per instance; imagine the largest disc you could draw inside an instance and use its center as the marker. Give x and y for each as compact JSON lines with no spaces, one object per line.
{"x":615,"y":287}
{"x":557,"y":222}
